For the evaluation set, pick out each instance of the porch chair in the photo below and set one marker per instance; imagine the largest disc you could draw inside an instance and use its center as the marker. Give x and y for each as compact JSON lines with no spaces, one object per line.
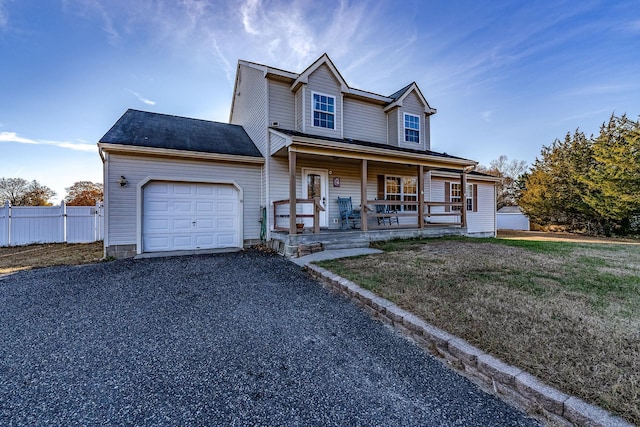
{"x":384,"y":209}
{"x":347,"y":213}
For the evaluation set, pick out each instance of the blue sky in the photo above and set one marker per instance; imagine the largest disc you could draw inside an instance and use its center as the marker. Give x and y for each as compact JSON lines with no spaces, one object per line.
{"x":506,"y":76}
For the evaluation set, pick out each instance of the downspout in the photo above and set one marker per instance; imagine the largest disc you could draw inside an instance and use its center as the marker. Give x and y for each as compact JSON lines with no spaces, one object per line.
{"x":267,"y":166}
{"x":105,"y":198}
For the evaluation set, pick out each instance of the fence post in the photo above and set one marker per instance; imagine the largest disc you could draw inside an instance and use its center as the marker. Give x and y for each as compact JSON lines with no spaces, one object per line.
{"x":63,"y":207}
{"x":96,"y":222}
{"x":7,"y":207}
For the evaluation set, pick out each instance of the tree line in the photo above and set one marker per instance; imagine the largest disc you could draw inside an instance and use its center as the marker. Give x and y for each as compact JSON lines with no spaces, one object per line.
{"x":20,"y":192}
{"x":589,"y":184}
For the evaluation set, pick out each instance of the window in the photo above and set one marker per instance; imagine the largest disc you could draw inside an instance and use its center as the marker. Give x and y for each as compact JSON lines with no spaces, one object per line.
{"x":401,"y":189}
{"x":411,"y":128}
{"x":456,"y":196}
{"x":324,"y":109}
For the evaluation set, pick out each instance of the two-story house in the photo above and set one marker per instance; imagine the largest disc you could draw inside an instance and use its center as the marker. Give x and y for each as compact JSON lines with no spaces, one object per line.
{"x":305,"y":158}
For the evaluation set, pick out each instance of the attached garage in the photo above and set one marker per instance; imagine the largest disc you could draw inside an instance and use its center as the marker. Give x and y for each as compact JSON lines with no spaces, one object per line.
{"x":179,"y":184}
{"x":189,"y":216}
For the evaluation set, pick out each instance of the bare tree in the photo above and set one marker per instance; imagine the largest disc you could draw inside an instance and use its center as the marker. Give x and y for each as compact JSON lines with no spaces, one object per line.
{"x":509,"y":171}
{"x":20,"y":192}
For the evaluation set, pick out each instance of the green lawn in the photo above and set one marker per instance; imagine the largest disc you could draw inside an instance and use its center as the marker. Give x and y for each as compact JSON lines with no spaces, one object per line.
{"x":568,"y":313}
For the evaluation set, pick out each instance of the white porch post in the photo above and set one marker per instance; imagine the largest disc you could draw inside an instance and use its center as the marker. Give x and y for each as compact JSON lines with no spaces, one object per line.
{"x":463,"y":197}
{"x":363,"y":195}
{"x":292,"y":192}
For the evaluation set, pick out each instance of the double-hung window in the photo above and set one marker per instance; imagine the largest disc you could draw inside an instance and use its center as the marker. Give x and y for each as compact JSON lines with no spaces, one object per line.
{"x":411,"y":128}
{"x":456,"y":196}
{"x":401,"y":189}
{"x":324,"y":111}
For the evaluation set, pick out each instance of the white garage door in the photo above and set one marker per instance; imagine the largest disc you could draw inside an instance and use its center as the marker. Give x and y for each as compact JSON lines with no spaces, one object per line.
{"x":182,"y":216}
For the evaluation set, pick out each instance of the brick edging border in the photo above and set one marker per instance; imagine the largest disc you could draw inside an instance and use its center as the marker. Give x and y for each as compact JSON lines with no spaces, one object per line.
{"x":506,"y":380}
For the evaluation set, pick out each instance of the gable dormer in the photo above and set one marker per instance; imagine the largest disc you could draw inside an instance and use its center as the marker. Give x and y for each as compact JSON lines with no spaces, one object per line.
{"x":408,"y":119}
{"x":319,"y":99}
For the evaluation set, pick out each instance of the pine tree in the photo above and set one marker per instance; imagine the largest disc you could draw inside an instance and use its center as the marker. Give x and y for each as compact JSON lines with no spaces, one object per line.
{"x":613,"y":179}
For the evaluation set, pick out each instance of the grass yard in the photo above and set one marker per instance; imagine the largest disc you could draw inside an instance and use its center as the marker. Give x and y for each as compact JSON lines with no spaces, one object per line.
{"x":568,"y":313}
{"x":17,"y":258}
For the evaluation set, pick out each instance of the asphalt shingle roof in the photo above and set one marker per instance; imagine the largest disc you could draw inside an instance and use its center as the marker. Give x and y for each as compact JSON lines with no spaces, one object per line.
{"x":145,"y":129}
{"x":367,"y":144}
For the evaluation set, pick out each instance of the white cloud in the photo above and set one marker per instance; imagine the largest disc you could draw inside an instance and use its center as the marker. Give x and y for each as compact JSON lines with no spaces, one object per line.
{"x":486,"y":115}
{"x":141,"y":98}
{"x":14,"y":137}
{"x":4,"y":16}
{"x":248,"y":11}
{"x":89,"y":8}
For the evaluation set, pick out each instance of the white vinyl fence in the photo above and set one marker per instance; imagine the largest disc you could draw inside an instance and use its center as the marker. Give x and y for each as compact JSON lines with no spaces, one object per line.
{"x":23,"y":225}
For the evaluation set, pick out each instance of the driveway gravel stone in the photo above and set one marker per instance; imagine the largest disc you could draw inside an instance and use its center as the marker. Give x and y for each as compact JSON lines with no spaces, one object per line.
{"x":233,"y":339}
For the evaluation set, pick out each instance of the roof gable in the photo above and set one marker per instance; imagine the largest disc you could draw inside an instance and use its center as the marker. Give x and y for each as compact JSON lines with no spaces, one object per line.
{"x":401,"y":95}
{"x":146,"y":129}
{"x":303,"y":78}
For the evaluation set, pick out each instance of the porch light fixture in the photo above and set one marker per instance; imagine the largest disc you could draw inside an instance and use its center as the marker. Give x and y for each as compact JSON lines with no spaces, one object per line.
{"x":122,"y":181}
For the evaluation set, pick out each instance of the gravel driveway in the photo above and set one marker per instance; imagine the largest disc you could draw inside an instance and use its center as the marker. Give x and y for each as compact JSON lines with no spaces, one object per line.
{"x":234,"y":339}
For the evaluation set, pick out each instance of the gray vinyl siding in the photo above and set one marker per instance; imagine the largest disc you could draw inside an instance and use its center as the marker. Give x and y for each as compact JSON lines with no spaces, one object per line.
{"x":299,"y":102}
{"x":364,"y":121}
{"x":323,"y":81}
{"x":250,"y":106}
{"x":281,"y":105}
{"x":393,"y":123}
{"x":427,"y":132}
{"x":122,"y":200}
{"x":412,"y":105}
{"x":277,"y":143}
{"x":483,"y":221}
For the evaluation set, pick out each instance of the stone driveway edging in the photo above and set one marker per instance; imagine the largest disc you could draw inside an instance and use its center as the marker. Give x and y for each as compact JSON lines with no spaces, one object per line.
{"x":507,"y":381}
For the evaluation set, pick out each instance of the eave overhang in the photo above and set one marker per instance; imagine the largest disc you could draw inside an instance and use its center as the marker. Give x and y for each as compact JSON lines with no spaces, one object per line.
{"x":305,"y":145}
{"x":176,"y":154}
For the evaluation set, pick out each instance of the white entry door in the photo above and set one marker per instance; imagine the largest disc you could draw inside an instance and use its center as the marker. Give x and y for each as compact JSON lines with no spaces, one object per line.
{"x":316,"y":184}
{"x":184,"y":216}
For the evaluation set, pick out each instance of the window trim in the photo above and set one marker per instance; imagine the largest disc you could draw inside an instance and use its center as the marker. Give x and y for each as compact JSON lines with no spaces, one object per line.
{"x":405,"y":128}
{"x":468,"y":194}
{"x":402,"y":194}
{"x":313,"y":110}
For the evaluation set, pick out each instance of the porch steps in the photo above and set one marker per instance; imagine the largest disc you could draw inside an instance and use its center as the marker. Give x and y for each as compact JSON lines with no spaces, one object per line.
{"x":344,"y":244}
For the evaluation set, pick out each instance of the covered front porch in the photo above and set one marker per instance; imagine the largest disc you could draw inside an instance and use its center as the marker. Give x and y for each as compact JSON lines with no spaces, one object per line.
{"x":385,"y":187}
{"x":289,"y":244}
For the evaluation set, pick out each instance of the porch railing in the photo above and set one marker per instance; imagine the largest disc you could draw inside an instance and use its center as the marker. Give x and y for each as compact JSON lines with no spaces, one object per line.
{"x":408,"y":217}
{"x":435,"y":214}
{"x":279,"y":213}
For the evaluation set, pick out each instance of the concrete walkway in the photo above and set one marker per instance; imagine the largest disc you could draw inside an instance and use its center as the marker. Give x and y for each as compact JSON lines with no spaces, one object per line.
{"x":334,"y":254}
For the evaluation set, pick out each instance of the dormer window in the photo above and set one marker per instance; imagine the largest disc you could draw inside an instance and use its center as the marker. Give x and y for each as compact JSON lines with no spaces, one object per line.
{"x":411,"y":128}
{"x":324,"y":111}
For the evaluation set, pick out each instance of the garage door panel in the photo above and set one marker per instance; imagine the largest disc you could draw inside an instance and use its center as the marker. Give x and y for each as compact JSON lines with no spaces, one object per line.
{"x":205,"y":241}
{"x":225,"y":240}
{"x":182,"y":189}
{"x":158,"y":206}
{"x":205,"y":207}
{"x":226,"y":192}
{"x":184,"y":216}
{"x":205,"y":190}
{"x":182,"y":206}
{"x":156,"y":225}
{"x":181,"y":224}
{"x":157,"y":188}
{"x":225,"y":223}
{"x":205,"y":224}
{"x":226,"y":207}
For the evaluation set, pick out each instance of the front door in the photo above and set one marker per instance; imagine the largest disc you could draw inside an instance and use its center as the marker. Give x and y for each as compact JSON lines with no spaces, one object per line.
{"x":316,"y":184}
